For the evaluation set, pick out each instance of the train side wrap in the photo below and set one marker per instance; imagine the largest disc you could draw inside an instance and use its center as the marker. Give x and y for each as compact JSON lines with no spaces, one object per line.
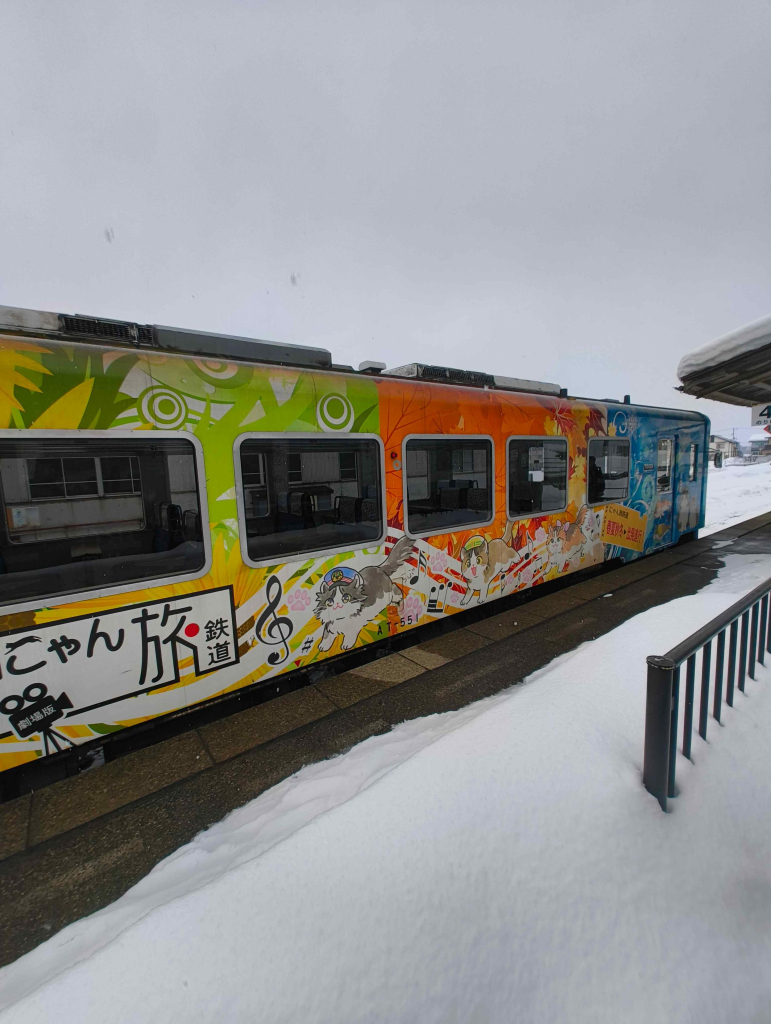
{"x":178,"y":525}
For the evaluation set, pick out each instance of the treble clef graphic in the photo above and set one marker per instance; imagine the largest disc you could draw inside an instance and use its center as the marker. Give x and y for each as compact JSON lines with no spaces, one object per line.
{"x":271,"y":629}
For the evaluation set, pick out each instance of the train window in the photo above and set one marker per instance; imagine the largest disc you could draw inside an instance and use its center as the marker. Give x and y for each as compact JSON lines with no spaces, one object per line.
{"x":664,"y":467}
{"x":91,"y":512}
{"x":693,"y":462}
{"x":449,"y":483}
{"x":303,"y":494}
{"x":607,"y":471}
{"x":538,"y":475}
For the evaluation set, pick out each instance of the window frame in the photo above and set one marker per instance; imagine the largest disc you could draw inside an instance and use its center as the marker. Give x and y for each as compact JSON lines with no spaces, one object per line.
{"x":446,"y":437}
{"x":610,"y":501}
{"x":150,"y":583}
{"x":537,"y":437}
{"x":291,"y":435}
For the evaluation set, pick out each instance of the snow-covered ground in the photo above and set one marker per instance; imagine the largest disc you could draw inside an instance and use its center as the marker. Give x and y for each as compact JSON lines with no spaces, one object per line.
{"x":736,"y":493}
{"x":500,"y":863}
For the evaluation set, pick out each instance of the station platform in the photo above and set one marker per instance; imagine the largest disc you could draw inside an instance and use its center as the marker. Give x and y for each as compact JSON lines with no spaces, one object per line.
{"x":75,"y":846}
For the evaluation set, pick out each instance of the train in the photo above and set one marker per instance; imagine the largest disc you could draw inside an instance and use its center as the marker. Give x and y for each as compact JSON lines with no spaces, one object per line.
{"x":186,"y":514}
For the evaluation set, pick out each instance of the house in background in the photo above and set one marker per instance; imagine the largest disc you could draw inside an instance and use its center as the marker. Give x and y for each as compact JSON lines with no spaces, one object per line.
{"x":760,"y":444}
{"x":727,"y":447}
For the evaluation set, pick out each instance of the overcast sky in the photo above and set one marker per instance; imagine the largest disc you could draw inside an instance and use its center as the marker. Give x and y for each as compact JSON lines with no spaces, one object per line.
{"x":577,"y":192}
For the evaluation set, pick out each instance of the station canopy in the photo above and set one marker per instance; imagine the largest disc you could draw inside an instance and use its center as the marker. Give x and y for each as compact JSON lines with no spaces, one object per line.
{"x":735,"y":368}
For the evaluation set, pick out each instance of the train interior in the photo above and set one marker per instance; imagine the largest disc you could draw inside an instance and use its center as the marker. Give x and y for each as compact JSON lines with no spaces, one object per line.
{"x":84,"y":513}
{"x":449,"y":483}
{"x":301,"y":494}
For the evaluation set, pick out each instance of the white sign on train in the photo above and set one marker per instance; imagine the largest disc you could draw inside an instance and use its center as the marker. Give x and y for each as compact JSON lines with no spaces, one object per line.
{"x":103,"y":658}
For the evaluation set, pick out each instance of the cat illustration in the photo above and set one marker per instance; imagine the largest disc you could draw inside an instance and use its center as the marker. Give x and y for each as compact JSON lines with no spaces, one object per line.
{"x":535,"y":558}
{"x":349,"y":598}
{"x":591,"y":527}
{"x":481,"y":561}
{"x":568,"y":542}
{"x":687,"y":510}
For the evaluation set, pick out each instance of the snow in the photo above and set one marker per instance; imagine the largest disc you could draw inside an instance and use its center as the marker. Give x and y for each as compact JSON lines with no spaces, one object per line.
{"x":754,"y":336}
{"x":736,"y":493}
{"x":498,"y":863}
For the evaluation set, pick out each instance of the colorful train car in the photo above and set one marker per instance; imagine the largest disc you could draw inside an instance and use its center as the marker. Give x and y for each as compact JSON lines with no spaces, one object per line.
{"x":185,"y":515}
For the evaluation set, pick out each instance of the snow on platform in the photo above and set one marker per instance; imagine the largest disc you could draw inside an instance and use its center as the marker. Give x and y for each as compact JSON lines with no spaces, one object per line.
{"x":498,"y":863}
{"x":736,"y":493}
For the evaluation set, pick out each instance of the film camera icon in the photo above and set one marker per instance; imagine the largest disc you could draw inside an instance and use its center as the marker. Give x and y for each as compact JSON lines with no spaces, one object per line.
{"x":35,"y":712}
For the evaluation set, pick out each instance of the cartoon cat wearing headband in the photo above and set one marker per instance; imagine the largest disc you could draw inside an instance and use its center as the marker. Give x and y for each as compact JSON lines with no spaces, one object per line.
{"x":481,"y":561}
{"x":348,"y":598}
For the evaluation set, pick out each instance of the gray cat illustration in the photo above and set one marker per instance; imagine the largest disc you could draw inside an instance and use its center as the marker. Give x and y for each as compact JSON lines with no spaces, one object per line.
{"x":348,"y":598}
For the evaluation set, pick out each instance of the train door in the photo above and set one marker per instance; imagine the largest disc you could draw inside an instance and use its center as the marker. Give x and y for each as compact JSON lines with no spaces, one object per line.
{"x":688,"y":484}
{"x":664,"y":512}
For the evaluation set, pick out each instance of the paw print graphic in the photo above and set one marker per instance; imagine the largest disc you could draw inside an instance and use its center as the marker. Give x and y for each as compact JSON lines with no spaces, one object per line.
{"x":299,"y":600}
{"x":438,"y":562}
{"x":527,"y":573}
{"x":413,"y":606}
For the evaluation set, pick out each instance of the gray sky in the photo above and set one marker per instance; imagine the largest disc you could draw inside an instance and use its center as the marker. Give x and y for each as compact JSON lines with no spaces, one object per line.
{"x":570,"y":191}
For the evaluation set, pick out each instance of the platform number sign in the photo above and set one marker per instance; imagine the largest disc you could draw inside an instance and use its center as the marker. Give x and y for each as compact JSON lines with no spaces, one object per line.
{"x":761,"y":415}
{"x":53,"y":672}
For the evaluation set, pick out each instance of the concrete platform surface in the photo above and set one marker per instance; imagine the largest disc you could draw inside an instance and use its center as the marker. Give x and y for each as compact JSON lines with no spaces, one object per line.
{"x":73,"y":847}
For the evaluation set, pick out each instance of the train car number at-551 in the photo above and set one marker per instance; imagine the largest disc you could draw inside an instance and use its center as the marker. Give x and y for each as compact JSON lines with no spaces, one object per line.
{"x":623,"y":527}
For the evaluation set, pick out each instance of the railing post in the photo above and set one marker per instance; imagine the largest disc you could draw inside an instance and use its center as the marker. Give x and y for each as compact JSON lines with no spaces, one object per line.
{"x":729,"y":692}
{"x":754,"y":639}
{"x":743,"y":650}
{"x":658,"y":723}
{"x":673,"y":731}
{"x":688,"y":711}
{"x":763,"y":630}
{"x":706,"y":662}
{"x":716,"y":708}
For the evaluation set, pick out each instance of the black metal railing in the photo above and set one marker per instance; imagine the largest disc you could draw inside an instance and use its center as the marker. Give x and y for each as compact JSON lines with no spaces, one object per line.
{"x":748,"y":628}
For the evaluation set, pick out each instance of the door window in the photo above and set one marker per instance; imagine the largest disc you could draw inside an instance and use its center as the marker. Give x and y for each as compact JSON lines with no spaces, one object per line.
{"x":693,"y":462}
{"x":664,"y":466}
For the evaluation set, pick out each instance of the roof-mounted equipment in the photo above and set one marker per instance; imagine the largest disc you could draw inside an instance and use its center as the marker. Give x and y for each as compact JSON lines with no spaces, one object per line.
{"x":443,"y":374}
{"x":175,"y":339}
{"x":166,"y":339}
{"x":474,"y":378}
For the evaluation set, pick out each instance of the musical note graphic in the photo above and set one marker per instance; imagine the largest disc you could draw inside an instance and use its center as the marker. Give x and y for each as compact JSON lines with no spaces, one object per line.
{"x":436,"y":599}
{"x":422,"y":568}
{"x":307,"y":646}
{"x":271,"y":629}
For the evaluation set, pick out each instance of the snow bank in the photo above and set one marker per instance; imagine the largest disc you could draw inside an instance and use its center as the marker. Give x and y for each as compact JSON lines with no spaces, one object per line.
{"x":746,"y":339}
{"x":499,"y":863}
{"x":736,"y":493}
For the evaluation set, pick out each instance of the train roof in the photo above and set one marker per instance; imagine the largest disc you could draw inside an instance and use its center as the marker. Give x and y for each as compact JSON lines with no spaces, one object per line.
{"x":98,"y":330}
{"x":183,"y":342}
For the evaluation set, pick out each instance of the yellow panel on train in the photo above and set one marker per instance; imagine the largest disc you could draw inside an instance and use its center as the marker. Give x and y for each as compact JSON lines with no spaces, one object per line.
{"x":624,"y":527}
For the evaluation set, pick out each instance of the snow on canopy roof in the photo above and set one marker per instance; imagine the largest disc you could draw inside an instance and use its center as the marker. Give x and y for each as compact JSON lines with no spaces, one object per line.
{"x":747,"y":339}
